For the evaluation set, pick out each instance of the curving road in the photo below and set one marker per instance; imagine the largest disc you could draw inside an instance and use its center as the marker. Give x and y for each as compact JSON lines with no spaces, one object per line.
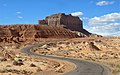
{"x":82,"y":67}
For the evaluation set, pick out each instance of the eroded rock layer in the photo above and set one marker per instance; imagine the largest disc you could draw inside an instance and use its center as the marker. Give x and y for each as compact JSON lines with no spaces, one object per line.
{"x":32,"y":32}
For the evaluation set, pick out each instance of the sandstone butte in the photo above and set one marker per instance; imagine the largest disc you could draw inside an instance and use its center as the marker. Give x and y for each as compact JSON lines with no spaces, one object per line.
{"x":54,"y":26}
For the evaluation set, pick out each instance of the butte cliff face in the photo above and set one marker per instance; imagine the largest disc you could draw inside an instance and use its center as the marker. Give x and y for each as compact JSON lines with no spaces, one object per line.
{"x":66,"y":21}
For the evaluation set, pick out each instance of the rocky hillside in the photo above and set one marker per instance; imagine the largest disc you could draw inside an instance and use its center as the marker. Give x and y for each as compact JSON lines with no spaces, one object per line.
{"x":54,"y":26}
{"x":20,"y":33}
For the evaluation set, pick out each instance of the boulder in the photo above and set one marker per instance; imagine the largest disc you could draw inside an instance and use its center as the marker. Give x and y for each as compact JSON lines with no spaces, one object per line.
{"x":18,"y":61}
{"x":32,"y":65}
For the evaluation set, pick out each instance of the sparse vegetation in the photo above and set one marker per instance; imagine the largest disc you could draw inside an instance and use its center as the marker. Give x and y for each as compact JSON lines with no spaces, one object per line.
{"x":102,"y":50}
{"x":13,"y":62}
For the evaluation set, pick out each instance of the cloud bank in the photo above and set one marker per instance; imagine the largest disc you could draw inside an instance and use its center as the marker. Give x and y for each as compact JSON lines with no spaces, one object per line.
{"x":107,"y":25}
{"x":104,"y":19}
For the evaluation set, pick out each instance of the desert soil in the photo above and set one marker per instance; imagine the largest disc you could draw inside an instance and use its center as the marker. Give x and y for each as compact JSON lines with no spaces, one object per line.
{"x":13,"y":62}
{"x":104,"y":50}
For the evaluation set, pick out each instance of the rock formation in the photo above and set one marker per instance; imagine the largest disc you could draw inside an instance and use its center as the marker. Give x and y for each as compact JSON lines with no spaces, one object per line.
{"x":19,"y":33}
{"x":55,"y":26}
{"x":67,"y":21}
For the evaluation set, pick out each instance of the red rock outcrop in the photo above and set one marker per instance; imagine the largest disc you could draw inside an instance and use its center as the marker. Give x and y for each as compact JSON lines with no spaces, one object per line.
{"x":19,"y":33}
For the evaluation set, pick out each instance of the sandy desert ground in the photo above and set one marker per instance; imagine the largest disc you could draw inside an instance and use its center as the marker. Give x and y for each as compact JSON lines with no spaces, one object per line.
{"x":104,"y":50}
{"x":13,"y":62}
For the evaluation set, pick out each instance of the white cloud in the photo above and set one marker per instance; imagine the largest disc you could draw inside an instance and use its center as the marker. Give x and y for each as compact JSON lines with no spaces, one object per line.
{"x":19,"y":17}
{"x":111,"y":29}
{"x":107,"y":25}
{"x":102,"y":3}
{"x":18,"y":12}
{"x":104,"y":19}
{"x":76,"y":13}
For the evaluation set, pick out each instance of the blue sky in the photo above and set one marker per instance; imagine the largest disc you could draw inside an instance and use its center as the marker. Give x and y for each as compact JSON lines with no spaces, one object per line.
{"x":99,"y":16}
